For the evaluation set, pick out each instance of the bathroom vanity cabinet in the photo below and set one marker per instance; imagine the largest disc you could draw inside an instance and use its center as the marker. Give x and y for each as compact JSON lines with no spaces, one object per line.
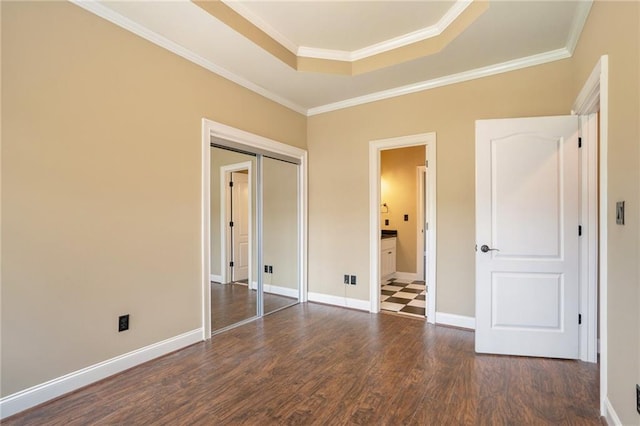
{"x":387,"y":257}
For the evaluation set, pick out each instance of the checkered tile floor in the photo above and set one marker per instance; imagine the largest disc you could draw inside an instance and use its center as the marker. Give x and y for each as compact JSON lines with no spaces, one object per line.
{"x":404,"y":297}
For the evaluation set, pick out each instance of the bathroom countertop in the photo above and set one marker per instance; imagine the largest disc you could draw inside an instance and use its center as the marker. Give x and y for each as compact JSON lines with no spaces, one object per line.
{"x":388,"y":233}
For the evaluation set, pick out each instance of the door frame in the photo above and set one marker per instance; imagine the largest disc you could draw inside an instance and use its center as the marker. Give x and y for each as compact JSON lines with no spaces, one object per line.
{"x":212,"y":130}
{"x":225,"y":215}
{"x":594,"y":98}
{"x":375,"y":148}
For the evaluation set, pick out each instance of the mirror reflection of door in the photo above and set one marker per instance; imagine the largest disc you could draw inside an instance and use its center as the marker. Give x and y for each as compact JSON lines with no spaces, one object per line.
{"x":239,"y":224}
{"x":233,"y":299}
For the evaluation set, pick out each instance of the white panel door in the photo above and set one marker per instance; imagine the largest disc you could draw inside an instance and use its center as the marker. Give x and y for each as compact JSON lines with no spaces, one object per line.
{"x":240,"y":214}
{"x":527,"y":254}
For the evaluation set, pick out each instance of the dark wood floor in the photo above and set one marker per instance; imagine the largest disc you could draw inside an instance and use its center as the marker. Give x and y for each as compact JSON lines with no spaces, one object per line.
{"x":232,"y":303}
{"x":319,"y":365}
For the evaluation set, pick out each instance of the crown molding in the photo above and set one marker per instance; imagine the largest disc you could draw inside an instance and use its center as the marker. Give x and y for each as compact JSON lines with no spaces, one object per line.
{"x":263,"y":25}
{"x":487,"y":71}
{"x":415,"y":36}
{"x":351,"y":56}
{"x":110,"y":15}
{"x":98,"y":9}
{"x":580,"y":18}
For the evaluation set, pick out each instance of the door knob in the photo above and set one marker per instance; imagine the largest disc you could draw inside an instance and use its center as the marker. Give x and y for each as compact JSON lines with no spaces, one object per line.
{"x":485,"y":248}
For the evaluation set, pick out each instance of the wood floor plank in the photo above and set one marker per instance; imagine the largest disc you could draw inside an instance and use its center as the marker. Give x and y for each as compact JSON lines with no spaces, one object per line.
{"x":313,"y":364}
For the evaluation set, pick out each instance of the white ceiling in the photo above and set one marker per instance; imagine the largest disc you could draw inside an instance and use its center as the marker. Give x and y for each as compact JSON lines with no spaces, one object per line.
{"x":509,"y":35}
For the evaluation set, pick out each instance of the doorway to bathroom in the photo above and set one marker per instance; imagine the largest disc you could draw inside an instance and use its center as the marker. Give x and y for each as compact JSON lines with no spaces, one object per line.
{"x":402,"y":225}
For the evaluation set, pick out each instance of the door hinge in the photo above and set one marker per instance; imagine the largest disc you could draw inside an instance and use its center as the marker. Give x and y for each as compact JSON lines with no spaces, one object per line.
{"x":231,"y":184}
{"x":231,"y":224}
{"x":231,"y":264}
{"x":579,"y":230}
{"x":579,"y":319}
{"x":426,"y":163}
{"x":579,"y":142}
{"x":427,"y":226}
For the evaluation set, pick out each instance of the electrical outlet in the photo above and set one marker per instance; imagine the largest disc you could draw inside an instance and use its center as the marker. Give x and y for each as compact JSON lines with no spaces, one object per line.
{"x":638,"y":398}
{"x":346,"y":279}
{"x":123,"y":322}
{"x":271,"y":269}
{"x":353,"y":280}
{"x":266,"y":269}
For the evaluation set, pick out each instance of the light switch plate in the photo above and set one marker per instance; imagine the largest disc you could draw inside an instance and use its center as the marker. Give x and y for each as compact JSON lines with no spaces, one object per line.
{"x":620,"y":213}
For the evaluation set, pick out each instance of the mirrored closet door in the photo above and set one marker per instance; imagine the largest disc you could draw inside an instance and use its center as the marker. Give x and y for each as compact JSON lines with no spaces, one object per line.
{"x":233,"y":241}
{"x":280,"y":230}
{"x":255,"y":234}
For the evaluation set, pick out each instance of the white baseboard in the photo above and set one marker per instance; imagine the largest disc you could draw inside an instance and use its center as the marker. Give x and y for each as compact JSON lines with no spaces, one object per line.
{"x":20,"y":401}
{"x":344,"y":302}
{"x":610,"y":414}
{"x":456,"y":320}
{"x":405,"y":276}
{"x":216,"y":278}
{"x":282,"y":291}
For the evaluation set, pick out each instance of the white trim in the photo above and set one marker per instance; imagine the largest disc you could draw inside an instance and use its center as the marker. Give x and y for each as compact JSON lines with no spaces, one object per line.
{"x":205,"y":238}
{"x":216,"y":278}
{"x":110,"y":15}
{"x":319,"y":53}
{"x":350,"y":56}
{"x":413,"y":37}
{"x":241,"y":9}
{"x":594,"y":97}
{"x":431,"y":214}
{"x":454,"y":320}
{"x":610,"y":414}
{"x":603,"y":225}
{"x":20,"y":401}
{"x":212,"y":129}
{"x":344,"y":302}
{"x":393,"y":43}
{"x":589,"y":240}
{"x":282,"y":291}
{"x":588,"y":100}
{"x":579,"y":19}
{"x":429,"y":140}
{"x":490,"y":70}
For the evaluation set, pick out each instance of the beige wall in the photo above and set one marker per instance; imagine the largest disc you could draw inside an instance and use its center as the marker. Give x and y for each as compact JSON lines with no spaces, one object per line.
{"x":339,"y":184}
{"x":101,"y":147}
{"x":398,"y":171}
{"x":613,"y":29}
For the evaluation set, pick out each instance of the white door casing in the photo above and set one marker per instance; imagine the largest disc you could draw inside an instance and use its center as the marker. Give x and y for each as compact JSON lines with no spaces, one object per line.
{"x":375,"y":147}
{"x":527,"y":208}
{"x":240,"y":231}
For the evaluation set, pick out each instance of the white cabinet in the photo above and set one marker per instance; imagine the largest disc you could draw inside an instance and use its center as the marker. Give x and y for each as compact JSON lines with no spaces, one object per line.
{"x":387,"y":257}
